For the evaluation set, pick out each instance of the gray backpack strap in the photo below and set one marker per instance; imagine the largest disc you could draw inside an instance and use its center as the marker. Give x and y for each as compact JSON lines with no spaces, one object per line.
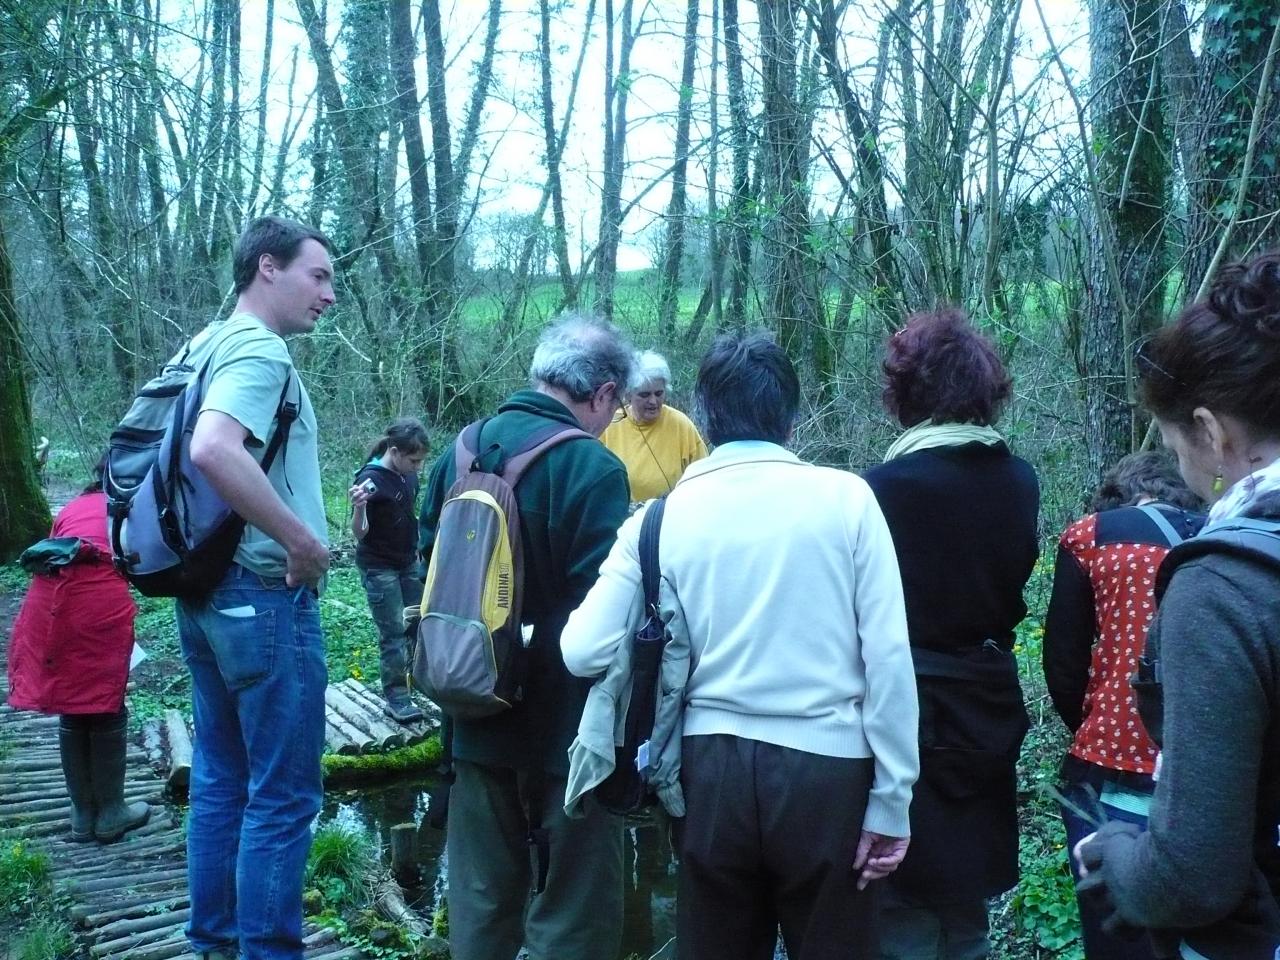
{"x":467,"y":448}
{"x":538,"y":444}
{"x":1161,"y":521}
{"x":1261,"y":536}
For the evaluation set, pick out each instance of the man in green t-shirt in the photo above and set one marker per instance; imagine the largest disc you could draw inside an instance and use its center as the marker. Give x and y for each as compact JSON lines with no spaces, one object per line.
{"x":254,"y":645}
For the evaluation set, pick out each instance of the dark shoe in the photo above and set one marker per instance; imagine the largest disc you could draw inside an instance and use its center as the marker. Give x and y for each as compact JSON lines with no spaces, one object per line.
{"x":107,"y":760}
{"x":402,"y":711}
{"x":73,"y":744}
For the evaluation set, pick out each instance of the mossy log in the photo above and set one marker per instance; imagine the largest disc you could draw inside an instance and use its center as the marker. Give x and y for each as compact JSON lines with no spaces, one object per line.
{"x":180,"y":751}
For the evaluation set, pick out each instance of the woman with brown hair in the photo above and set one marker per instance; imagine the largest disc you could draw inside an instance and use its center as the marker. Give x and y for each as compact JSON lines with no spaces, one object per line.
{"x":1206,"y":871}
{"x":962,"y":512}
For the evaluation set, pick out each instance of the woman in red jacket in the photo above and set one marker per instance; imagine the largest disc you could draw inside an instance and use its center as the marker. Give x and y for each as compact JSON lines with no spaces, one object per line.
{"x":70,"y":656}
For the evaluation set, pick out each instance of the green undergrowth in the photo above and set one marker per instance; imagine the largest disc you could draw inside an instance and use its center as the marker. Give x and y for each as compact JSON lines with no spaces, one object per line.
{"x":417,"y":759}
{"x":343,"y":870}
{"x":31,"y":918}
{"x":1039,"y":918}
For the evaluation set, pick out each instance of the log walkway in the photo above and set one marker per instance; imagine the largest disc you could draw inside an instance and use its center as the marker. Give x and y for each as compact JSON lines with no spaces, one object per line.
{"x":128,"y":899}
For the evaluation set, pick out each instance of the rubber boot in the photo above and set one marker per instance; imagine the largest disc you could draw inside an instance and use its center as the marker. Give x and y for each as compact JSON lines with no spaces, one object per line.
{"x":115,"y":817}
{"x":73,"y":744}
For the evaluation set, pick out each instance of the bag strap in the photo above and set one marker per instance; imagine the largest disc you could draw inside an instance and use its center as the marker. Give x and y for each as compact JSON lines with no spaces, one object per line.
{"x":466,"y":449}
{"x":1248,"y":537}
{"x":286,"y":414}
{"x":650,"y":571}
{"x":467,"y":452}
{"x":1162,"y":522}
{"x":535,"y":445}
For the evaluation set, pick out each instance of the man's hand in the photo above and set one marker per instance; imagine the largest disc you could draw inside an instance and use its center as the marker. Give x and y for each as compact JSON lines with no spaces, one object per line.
{"x":307,"y":562}
{"x":878,"y":856}
{"x":1078,"y":852}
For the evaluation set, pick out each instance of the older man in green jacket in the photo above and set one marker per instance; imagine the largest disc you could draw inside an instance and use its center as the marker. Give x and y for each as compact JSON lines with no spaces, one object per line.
{"x":511,"y":768}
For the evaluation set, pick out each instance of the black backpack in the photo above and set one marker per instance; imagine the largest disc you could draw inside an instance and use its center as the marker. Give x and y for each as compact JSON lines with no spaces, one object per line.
{"x":171,"y":533}
{"x":626,"y":789}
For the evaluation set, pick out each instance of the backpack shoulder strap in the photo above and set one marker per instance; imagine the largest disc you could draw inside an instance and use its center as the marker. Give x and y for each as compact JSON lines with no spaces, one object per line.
{"x":1162,"y":522}
{"x":286,"y":414}
{"x":650,"y":570}
{"x":1247,"y":537}
{"x":534,"y":446}
{"x":466,"y":449}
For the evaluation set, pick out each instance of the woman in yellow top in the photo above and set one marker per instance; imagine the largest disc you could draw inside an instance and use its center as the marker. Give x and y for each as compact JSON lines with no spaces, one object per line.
{"x":655,"y":441}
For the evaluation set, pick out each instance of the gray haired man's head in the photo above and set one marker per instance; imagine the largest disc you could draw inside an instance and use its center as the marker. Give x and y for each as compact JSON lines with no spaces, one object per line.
{"x":579,"y":354}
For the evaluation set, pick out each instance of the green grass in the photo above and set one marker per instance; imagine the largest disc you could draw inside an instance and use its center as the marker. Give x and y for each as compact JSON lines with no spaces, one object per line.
{"x":24,"y":875}
{"x":341,"y":867}
{"x":46,"y":938}
{"x":30,"y":917}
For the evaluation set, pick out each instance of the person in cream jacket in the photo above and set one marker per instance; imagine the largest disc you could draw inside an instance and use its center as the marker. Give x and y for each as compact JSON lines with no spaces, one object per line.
{"x":800,"y":724}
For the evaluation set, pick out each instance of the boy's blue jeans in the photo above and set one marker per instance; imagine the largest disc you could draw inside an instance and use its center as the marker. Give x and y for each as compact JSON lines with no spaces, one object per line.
{"x":256,"y":656}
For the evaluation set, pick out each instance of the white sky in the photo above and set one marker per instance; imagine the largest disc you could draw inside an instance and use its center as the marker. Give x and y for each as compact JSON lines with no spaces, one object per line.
{"x":513,"y":178}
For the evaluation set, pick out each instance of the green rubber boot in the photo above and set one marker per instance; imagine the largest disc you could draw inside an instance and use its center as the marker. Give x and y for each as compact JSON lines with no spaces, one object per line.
{"x":107,"y":760}
{"x":73,"y":744}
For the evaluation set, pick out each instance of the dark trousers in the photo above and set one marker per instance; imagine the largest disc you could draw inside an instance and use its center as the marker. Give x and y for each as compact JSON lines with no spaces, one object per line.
{"x":1098,"y":944}
{"x":492,"y":910}
{"x":768,"y":841}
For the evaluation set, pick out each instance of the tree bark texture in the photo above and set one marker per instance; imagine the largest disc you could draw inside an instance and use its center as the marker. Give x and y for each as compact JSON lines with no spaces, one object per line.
{"x":669,"y":290}
{"x":740,"y":201}
{"x":1131,"y":146}
{"x":1214,"y":134}
{"x":790,"y":270}
{"x":24,"y":514}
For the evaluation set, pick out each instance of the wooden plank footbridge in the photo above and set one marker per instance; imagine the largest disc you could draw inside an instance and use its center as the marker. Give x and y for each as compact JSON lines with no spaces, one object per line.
{"x":129,"y":899}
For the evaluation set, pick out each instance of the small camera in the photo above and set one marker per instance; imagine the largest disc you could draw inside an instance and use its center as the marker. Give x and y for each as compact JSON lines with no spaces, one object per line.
{"x":369,"y":487}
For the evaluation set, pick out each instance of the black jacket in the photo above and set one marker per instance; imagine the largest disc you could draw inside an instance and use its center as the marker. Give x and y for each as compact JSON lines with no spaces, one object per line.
{"x":963,"y":521}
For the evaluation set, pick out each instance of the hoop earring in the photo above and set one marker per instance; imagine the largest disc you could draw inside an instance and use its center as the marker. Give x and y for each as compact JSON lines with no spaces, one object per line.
{"x":1218,"y":483}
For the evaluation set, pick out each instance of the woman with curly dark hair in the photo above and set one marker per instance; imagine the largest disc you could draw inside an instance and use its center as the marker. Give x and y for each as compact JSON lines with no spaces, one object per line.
{"x":1204,"y":875}
{"x":962,"y":512}
{"x":1102,"y":604}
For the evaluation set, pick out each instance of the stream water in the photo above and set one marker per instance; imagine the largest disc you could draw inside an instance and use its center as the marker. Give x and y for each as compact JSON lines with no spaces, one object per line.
{"x":650,"y":912}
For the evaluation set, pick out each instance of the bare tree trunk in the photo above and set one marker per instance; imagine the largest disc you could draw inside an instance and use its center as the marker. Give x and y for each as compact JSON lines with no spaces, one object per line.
{"x":1132,"y":172}
{"x":24,"y":515}
{"x":441,"y":284}
{"x":406,"y":105}
{"x":790,"y":277}
{"x":515,"y":301}
{"x":559,"y":235}
{"x":1215,"y":134}
{"x":358,"y":165}
{"x":740,"y":201}
{"x":260,"y":149}
{"x":617,"y":90}
{"x":669,"y":290}
{"x":884,"y":295}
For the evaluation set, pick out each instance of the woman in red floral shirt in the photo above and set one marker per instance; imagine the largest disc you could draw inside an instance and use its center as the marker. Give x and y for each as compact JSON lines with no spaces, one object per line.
{"x":1101,"y":607}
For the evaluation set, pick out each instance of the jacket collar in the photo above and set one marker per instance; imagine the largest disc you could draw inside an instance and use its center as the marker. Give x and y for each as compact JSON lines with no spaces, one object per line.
{"x":540,"y":404}
{"x":738,"y":452}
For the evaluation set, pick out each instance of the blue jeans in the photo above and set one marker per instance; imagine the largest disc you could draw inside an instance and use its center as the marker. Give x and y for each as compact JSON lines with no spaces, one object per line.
{"x":256,"y":657}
